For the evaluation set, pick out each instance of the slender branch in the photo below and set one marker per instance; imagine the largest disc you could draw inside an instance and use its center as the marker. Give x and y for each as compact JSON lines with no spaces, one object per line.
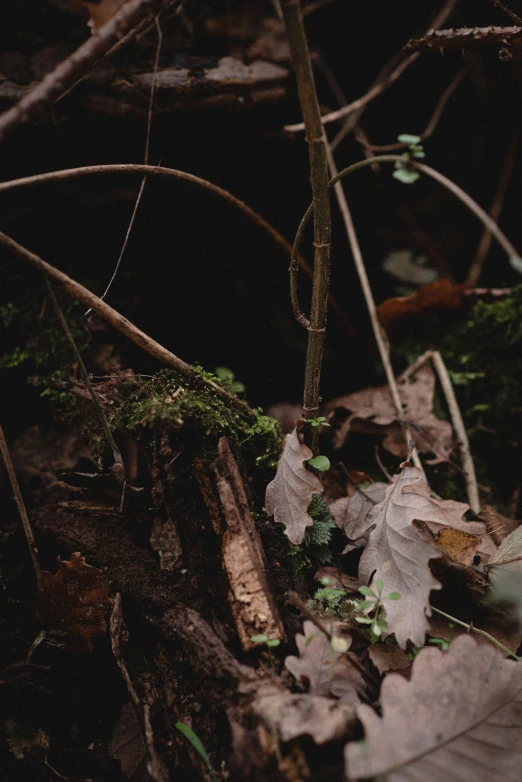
{"x":496,"y":206}
{"x":381,"y":84}
{"x":507,"y":11}
{"x":145,"y":159}
{"x":79,"y":62}
{"x":316,"y":141}
{"x":432,"y":124}
{"x":460,"y":431}
{"x":4,"y":451}
{"x":118,"y":466}
{"x":378,"y":332}
{"x":469,"y":627}
{"x":120,"y":322}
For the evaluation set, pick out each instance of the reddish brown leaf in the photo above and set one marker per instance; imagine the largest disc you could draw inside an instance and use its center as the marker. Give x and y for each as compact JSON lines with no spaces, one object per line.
{"x":438,"y":295}
{"x":75,"y":600}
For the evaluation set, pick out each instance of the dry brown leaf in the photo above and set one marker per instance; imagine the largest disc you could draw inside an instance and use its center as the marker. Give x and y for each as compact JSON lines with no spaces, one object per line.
{"x":75,"y":600}
{"x":459,"y":718}
{"x":315,"y":662}
{"x":438,"y":295}
{"x":349,"y":513}
{"x":102,"y":12}
{"x":388,"y":657}
{"x":290,"y":493}
{"x":372,"y":411}
{"x":443,"y":513}
{"x":290,"y":716}
{"x":460,"y":546}
{"x":397,"y":555}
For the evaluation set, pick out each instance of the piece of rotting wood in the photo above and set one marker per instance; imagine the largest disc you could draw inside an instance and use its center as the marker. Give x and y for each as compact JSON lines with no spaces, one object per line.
{"x":251,"y":601}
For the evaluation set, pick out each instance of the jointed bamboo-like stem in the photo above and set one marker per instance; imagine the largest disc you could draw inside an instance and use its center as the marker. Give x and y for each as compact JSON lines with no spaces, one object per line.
{"x":316,"y":141}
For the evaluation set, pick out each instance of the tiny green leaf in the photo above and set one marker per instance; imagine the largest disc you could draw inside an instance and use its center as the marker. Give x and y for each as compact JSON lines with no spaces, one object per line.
{"x":379,"y":584}
{"x":364,"y":620}
{"x":516,"y":263}
{"x":406,"y":176}
{"x":376,"y":630}
{"x":340,"y":645}
{"x":408,"y":138}
{"x":320,"y":462}
{"x":366,"y":591}
{"x":273,"y":642}
{"x":311,"y":638}
{"x":393,"y":596}
{"x":198,"y":746}
{"x":259,"y":639}
{"x":366,"y":604}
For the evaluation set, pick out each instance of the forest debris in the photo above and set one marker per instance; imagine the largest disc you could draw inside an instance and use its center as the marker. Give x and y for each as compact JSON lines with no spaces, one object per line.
{"x":458,"y":545}
{"x":251,"y":601}
{"x":164,"y":539}
{"x":388,"y":657}
{"x":497,"y":623}
{"x":290,"y":493}
{"x":466,"y":37}
{"x":75,"y":600}
{"x":43,"y":454}
{"x":396,"y":554}
{"x":316,"y":665}
{"x":459,"y":717}
{"x":509,"y":553}
{"x":496,"y":525}
{"x":372,"y":411}
{"x":291,"y":716}
{"x":127,"y":745}
{"x":349,"y":513}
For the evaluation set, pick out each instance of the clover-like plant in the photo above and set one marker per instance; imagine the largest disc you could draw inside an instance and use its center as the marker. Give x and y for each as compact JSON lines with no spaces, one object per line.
{"x":376,"y":616}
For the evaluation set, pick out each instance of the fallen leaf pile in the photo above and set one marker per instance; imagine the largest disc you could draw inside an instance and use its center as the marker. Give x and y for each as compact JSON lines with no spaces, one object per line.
{"x":75,"y":600}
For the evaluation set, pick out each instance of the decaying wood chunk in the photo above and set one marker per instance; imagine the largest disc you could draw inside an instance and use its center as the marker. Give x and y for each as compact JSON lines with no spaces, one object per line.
{"x":252,"y":604}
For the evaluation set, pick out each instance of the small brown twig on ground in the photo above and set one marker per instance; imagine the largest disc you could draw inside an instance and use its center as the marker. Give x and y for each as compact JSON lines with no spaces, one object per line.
{"x":470,"y":627}
{"x":379,"y":86}
{"x":460,"y":431}
{"x":121,"y":323}
{"x":496,"y":206}
{"x":79,"y":62}
{"x":316,"y":141}
{"x":505,"y":562}
{"x":6,"y":457}
{"x":378,"y":331}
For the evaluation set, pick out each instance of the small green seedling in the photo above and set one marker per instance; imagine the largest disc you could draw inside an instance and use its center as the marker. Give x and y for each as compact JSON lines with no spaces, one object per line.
{"x":264,"y":639}
{"x":444,"y":645}
{"x":196,"y":742}
{"x":403,"y":169}
{"x":377,"y":620}
{"x":321,"y":421}
{"x":321,"y":463}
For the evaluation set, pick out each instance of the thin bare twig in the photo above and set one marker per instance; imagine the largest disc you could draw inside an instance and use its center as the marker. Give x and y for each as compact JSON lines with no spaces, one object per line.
{"x":316,"y":141}
{"x":378,"y":332}
{"x":145,"y":159}
{"x":508,"y":11}
{"x":470,"y":627}
{"x":4,"y":451}
{"x":460,"y":431}
{"x":432,"y":124}
{"x":121,"y":323}
{"x":496,"y":206}
{"x":79,"y":62}
{"x":381,"y":85}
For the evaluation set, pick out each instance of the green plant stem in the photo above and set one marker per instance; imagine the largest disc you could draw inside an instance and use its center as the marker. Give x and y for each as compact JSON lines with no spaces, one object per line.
{"x":6,"y":457}
{"x":476,"y":630}
{"x":121,"y":323}
{"x":321,"y":203}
